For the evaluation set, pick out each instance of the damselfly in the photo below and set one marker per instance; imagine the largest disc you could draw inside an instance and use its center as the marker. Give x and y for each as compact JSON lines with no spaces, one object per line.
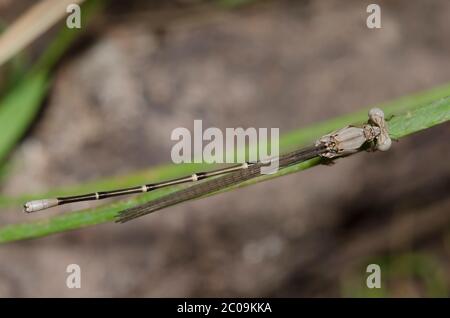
{"x":340,"y":143}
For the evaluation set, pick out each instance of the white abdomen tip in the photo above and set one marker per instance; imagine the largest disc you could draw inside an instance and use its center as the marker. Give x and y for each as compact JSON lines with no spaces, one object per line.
{"x":37,"y":205}
{"x":376,"y":112}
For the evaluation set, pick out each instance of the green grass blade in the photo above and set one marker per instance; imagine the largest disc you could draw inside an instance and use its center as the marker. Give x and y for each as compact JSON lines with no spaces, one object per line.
{"x":18,"y":109}
{"x":408,"y":119}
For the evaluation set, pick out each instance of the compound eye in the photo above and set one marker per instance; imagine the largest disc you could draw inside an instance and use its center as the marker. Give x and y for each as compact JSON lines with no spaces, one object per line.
{"x":385,"y":145}
{"x":376,"y":113}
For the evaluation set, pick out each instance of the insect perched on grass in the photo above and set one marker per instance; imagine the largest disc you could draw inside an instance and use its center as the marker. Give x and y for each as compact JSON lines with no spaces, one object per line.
{"x":340,"y":143}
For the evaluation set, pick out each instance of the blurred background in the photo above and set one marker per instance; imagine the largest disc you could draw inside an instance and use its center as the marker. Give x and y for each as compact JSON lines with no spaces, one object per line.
{"x":142,"y":68}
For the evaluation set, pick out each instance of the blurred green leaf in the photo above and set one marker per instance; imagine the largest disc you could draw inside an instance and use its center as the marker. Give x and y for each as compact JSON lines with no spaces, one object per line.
{"x":423,"y":269}
{"x":17,"y":69}
{"x":231,"y":4}
{"x":22,"y":102}
{"x":18,"y":109}
{"x":13,"y":71}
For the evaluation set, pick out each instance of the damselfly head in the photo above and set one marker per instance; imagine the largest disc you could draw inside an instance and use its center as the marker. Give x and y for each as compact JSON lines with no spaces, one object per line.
{"x":383,"y":142}
{"x":376,"y":113}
